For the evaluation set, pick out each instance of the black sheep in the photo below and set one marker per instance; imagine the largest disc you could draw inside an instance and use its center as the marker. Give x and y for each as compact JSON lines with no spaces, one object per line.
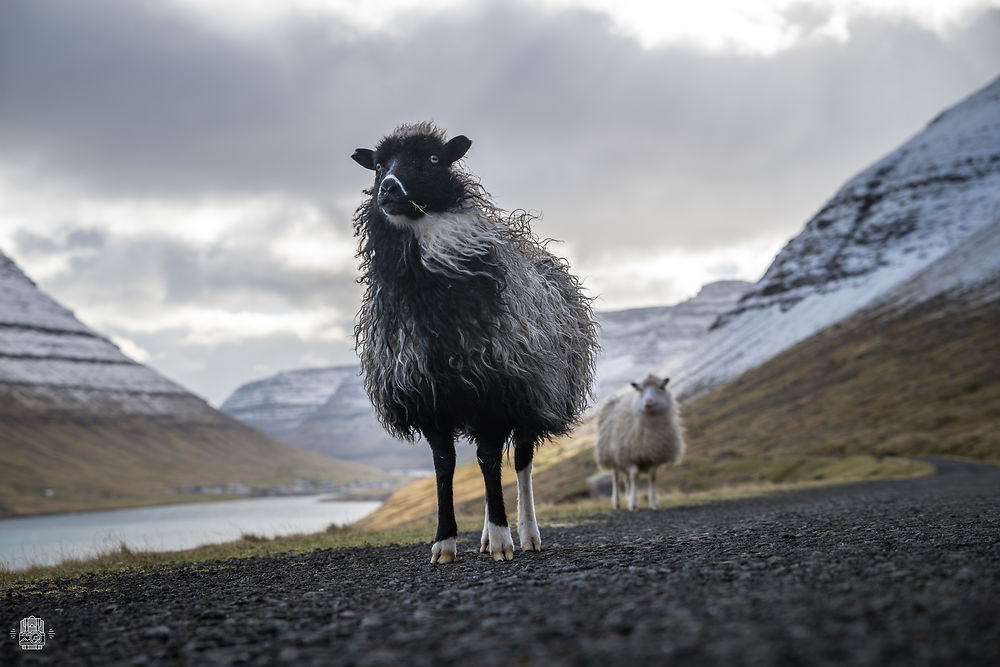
{"x":468,"y":325}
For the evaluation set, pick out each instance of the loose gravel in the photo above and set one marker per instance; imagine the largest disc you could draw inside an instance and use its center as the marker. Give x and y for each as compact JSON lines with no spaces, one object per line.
{"x":881,"y":573}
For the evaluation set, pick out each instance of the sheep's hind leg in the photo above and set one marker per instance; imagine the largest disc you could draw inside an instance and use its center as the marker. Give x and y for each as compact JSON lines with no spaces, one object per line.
{"x":444,"y":547}
{"x":484,"y":541}
{"x":489,"y":452}
{"x":527,"y":526}
{"x":633,"y":501}
{"x":616,"y":498}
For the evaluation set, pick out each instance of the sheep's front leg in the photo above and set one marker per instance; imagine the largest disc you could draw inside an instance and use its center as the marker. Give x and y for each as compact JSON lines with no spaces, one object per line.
{"x":633,"y":501}
{"x":652,"y":489}
{"x":490,"y":459}
{"x":527,"y":526}
{"x":444,"y":547}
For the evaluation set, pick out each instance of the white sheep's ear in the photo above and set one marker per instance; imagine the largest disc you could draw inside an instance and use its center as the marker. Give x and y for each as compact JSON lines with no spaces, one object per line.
{"x":456,"y":148}
{"x":663,"y":385}
{"x":365,"y":157}
{"x":635,"y":385}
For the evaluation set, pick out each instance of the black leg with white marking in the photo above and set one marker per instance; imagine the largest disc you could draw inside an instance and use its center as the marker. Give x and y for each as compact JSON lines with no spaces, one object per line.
{"x":443,"y":447}
{"x":489,"y":451}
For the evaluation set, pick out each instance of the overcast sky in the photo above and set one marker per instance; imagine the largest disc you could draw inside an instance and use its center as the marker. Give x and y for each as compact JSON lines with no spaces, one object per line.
{"x":178,"y":172}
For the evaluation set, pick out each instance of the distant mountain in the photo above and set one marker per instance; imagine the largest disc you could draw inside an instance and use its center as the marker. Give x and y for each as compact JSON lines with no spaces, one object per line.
{"x":84,"y":426}
{"x":327,"y":410}
{"x":635,"y":341}
{"x":280,"y":403}
{"x":881,"y":228}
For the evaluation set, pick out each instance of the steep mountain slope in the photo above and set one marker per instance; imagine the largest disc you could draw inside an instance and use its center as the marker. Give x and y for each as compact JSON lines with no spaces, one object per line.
{"x":882,"y":227}
{"x":327,"y":410}
{"x":83,"y":426}
{"x":918,"y":372}
{"x":48,"y":357}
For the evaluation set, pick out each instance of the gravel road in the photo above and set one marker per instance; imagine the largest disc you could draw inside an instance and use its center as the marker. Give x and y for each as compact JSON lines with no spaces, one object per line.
{"x":883,"y":573}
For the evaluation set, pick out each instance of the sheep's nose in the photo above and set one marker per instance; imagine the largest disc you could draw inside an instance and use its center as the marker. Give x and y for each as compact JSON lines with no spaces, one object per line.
{"x":391,"y":189}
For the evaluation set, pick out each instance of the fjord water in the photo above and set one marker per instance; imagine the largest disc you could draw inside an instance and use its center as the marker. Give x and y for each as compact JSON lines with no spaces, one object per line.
{"x":48,"y":539}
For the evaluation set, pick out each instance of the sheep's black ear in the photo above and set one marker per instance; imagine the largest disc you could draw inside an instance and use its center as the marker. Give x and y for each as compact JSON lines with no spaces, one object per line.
{"x":365,"y":157}
{"x":636,"y":386}
{"x":663,"y":385}
{"x":457,"y":147}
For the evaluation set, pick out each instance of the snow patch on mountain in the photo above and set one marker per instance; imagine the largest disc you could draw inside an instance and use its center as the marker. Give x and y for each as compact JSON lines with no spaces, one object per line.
{"x":970,"y":270}
{"x":881,"y":228}
{"x":48,"y":357}
{"x":635,"y":341}
{"x":278,"y":404}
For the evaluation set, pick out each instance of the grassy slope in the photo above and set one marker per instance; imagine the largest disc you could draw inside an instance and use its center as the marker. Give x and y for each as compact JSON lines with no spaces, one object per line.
{"x":923,"y":382}
{"x":926,"y":381}
{"x":96,"y":462}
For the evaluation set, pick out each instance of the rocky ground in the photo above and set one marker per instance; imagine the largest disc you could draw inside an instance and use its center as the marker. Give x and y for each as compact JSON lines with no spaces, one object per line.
{"x":884,"y":573}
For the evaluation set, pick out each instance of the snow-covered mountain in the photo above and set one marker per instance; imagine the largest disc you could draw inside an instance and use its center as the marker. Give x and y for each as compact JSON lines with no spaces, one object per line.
{"x":83,"y":426}
{"x":48,"y":357}
{"x":327,"y":410}
{"x":279,"y":404}
{"x":635,"y":341}
{"x":880,"y":229}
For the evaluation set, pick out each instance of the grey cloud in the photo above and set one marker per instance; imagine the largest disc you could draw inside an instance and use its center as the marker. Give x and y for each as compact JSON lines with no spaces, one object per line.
{"x":616,"y":144}
{"x":68,"y":239}
{"x":154,"y":272}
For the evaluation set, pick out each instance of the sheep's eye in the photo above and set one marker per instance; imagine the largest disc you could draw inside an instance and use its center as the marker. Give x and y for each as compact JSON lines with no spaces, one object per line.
{"x":435,"y":159}
{"x":378,"y":167}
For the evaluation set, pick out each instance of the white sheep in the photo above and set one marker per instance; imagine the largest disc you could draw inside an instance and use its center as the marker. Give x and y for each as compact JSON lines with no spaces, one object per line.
{"x":637,"y":433}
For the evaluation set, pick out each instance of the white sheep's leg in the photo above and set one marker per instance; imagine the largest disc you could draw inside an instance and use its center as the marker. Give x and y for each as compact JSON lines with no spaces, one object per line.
{"x":484,"y":541}
{"x":633,"y":473}
{"x":652,"y":489}
{"x":616,"y":500}
{"x":527,"y":526}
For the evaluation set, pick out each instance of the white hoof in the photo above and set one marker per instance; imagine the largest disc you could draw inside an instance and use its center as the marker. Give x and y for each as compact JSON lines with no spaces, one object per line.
{"x":531,"y":539}
{"x":443,"y":551}
{"x":484,"y":541}
{"x":501,"y":545}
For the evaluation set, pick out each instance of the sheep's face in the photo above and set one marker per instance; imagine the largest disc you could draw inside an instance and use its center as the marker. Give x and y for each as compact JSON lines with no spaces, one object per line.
{"x":653,"y":395}
{"x":413,"y":174}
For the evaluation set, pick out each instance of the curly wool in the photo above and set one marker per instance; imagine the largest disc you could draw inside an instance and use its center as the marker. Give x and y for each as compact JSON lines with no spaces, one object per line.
{"x":467,"y":318}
